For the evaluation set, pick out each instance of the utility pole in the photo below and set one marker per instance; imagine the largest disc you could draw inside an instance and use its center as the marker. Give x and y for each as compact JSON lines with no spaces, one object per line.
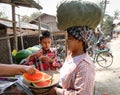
{"x":104,"y":3}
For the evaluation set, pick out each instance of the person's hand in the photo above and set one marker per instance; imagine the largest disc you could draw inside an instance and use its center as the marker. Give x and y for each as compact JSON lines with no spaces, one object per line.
{"x":46,"y":59}
{"x":32,"y":56}
{"x":29,"y":69}
{"x":52,"y":91}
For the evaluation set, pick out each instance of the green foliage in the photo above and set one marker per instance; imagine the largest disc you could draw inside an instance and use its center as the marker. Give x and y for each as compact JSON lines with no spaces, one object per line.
{"x":34,"y":15}
{"x":116,"y":14}
{"x":2,"y":15}
{"x":107,"y":24}
{"x":25,"y":18}
{"x":101,"y":5}
{"x":78,"y":13}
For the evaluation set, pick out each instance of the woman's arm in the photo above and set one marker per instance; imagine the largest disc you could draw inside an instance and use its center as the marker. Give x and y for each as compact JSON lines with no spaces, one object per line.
{"x":12,"y":69}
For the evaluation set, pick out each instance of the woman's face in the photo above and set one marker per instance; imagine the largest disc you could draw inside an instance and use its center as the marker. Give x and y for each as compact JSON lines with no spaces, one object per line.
{"x":73,"y":44}
{"x":46,"y":43}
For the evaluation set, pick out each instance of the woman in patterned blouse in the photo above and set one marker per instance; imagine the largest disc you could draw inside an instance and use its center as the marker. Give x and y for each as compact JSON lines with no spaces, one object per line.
{"x":46,"y":58}
{"x":78,"y":71}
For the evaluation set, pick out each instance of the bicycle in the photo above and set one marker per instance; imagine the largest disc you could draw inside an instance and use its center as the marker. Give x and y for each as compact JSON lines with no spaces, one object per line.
{"x":103,"y":57}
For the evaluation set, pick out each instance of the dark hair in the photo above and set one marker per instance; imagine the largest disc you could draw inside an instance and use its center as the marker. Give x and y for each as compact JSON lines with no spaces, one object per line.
{"x":85,"y":46}
{"x":45,"y":34}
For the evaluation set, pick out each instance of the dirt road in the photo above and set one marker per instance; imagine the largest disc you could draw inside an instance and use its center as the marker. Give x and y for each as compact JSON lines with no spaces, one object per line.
{"x":108,"y":80}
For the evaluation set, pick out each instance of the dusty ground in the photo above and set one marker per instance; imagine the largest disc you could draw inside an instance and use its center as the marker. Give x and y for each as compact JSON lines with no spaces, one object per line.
{"x":108,"y":80}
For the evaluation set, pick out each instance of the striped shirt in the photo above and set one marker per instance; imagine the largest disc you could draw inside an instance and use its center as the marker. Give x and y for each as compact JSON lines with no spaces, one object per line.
{"x":51,"y":53}
{"x":77,"y":76}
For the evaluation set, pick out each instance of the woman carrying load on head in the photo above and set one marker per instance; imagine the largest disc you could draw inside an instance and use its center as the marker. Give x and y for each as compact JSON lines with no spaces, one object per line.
{"x":78,"y":71}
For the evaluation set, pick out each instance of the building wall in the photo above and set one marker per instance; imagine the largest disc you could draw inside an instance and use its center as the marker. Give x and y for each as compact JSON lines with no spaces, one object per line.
{"x":30,"y":38}
{"x":4,"y":47}
{"x":47,"y":19}
{"x":50,"y":21}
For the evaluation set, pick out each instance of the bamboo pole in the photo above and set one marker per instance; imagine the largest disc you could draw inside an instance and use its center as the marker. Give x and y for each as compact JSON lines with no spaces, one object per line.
{"x":21,"y":36}
{"x":10,"y":52}
{"x":14,"y":28}
{"x":39,"y":26}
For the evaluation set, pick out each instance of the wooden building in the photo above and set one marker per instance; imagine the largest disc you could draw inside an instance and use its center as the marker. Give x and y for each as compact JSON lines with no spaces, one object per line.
{"x":49,"y":22}
{"x":3,"y":28}
{"x":27,"y":35}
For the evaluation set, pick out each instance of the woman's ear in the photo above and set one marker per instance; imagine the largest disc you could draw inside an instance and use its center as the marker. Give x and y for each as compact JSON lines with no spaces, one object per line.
{"x":80,"y":42}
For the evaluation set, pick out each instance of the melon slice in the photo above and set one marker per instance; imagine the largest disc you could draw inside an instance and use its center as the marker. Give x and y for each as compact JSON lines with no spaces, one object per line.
{"x":42,"y":83}
{"x":38,"y":76}
{"x":46,"y":77}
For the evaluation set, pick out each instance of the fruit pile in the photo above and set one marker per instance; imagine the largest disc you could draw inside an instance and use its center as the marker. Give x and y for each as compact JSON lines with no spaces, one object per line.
{"x":39,"y":79}
{"x":24,"y":53}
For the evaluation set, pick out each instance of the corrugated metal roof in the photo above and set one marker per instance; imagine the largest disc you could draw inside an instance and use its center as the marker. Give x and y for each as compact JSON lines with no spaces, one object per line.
{"x":41,"y":15}
{"x":25,"y":3}
{"x":23,"y":25}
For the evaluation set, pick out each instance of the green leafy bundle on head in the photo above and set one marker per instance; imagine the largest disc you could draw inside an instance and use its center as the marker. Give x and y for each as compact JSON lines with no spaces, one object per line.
{"x":78,"y":13}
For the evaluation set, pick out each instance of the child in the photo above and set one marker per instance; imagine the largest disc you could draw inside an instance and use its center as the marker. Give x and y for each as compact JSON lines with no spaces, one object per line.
{"x":77,"y":73}
{"x":46,"y":58}
{"x":11,"y":70}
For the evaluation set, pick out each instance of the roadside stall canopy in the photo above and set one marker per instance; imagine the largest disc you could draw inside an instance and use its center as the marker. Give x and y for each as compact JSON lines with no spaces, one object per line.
{"x":8,"y":23}
{"x":16,"y":3}
{"x":24,"y":3}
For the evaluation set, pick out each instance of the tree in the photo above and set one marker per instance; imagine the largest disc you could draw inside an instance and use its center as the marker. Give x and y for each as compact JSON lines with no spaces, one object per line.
{"x":25,"y":18}
{"x":34,"y":15}
{"x":116,"y":14}
{"x":101,"y":4}
{"x":107,"y":24}
{"x":2,"y":15}
{"x":107,"y":21}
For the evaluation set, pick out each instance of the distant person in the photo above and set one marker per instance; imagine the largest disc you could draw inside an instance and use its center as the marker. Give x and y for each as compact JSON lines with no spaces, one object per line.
{"x":114,"y":35}
{"x":13,"y":69}
{"x":46,"y":58}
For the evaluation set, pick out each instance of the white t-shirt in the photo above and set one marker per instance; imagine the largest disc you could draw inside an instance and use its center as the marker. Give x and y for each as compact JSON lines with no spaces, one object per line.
{"x":67,"y":66}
